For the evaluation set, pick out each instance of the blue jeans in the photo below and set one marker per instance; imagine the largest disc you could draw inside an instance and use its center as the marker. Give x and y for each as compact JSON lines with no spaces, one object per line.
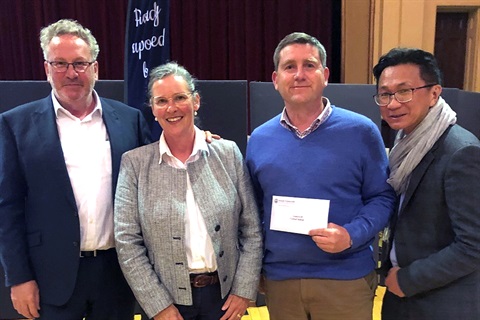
{"x":207,"y":304}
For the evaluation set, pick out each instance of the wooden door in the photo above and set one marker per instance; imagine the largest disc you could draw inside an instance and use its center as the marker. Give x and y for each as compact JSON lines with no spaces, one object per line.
{"x":450,"y":46}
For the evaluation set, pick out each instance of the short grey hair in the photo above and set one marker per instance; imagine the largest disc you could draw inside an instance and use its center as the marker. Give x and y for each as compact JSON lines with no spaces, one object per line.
{"x":68,"y":26}
{"x":302,"y":38}
{"x":168,"y":69}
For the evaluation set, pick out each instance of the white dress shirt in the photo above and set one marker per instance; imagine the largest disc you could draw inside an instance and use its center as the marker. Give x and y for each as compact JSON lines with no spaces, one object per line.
{"x":199,"y":248}
{"x":86,"y":148}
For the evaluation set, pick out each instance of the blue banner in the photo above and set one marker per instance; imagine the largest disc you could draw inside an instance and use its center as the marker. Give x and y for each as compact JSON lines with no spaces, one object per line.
{"x":147,"y":45}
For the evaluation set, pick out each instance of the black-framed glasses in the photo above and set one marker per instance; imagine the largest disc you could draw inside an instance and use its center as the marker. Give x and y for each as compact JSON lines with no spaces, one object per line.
{"x":177,"y":99}
{"x":402,"y":95}
{"x":62,"y":66}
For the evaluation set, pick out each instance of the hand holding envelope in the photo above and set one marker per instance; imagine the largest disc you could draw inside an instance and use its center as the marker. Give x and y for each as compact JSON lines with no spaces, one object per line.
{"x":309,"y":217}
{"x":298,"y":215}
{"x":332,"y":239}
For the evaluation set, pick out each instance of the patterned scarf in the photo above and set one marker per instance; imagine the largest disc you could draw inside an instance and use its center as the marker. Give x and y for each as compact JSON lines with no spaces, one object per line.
{"x":410,"y":149}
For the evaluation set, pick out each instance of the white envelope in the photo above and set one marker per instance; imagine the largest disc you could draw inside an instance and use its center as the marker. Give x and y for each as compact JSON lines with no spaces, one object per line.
{"x":298,"y":215}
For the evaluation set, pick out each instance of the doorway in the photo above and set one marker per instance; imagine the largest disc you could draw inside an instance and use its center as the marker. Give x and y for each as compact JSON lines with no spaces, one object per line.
{"x":450,"y":47}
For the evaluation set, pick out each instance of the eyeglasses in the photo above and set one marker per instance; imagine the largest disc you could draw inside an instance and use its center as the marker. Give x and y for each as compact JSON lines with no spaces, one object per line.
{"x":402,"y":95}
{"x":178,"y":99}
{"x":78,"y":66}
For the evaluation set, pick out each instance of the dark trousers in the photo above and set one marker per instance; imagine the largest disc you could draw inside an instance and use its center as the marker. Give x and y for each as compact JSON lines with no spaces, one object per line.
{"x":101,"y":293}
{"x":207,"y":304}
{"x":394,"y":307}
{"x":433,"y":305}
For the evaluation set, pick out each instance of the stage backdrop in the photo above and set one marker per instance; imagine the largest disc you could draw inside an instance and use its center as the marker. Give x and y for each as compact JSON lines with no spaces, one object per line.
{"x":147,"y":45}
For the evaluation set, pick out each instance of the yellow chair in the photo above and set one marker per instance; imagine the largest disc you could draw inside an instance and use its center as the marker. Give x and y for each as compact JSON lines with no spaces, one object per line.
{"x":257,"y":313}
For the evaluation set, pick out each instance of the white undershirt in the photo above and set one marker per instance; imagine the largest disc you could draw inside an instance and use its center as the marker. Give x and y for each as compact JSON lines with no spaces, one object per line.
{"x":86,"y":149}
{"x":198,"y":244}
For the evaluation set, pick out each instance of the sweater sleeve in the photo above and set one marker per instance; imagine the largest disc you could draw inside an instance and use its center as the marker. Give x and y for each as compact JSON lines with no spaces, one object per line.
{"x":377,"y":195}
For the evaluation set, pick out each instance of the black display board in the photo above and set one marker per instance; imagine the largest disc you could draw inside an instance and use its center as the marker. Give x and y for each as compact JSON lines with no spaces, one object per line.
{"x":265,"y":103}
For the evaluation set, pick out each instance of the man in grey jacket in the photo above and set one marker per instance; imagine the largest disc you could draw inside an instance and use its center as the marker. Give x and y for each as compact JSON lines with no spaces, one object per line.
{"x":435,"y":169}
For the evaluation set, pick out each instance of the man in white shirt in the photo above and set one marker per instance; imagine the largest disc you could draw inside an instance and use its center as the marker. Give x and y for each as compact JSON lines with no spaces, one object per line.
{"x":58,"y":171}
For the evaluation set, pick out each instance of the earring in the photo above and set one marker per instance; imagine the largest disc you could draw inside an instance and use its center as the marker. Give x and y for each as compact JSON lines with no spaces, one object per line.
{"x":195,"y":113}
{"x":156,"y":119}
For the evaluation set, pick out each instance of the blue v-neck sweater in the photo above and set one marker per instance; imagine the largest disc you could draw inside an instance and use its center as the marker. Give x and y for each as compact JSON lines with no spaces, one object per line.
{"x":344,"y":161}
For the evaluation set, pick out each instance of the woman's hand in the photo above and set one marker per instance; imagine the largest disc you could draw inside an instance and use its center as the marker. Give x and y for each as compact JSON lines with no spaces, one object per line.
{"x":234,"y":307}
{"x":169,"y":313}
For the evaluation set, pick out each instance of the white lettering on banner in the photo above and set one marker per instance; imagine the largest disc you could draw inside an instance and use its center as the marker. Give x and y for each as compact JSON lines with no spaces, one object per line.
{"x":150,"y":15}
{"x":145,"y":69}
{"x":141,"y":18}
{"x":148,"y":44}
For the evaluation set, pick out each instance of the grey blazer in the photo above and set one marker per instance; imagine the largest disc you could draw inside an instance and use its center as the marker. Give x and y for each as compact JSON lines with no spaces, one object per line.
{"x":149,"y":224}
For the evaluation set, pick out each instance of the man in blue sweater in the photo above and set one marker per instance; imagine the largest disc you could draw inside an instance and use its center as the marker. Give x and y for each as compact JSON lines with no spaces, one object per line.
{"x":315,"y":150}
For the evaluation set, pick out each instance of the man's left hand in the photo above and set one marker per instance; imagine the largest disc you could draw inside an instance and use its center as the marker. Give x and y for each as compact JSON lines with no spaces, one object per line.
{"x":210,"y":136}
{"x":391,"y":282}
{"x":332,"y":239}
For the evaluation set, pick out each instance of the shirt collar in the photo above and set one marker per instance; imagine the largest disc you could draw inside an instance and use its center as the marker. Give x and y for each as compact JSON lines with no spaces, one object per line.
{"x":199,"y":145}
{"x":58,"y":107}
{"x":322,"y":117}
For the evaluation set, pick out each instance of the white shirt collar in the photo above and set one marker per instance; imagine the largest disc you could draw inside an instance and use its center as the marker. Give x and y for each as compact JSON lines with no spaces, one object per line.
{"x":199,"y":145}
{"x":57,"y":106}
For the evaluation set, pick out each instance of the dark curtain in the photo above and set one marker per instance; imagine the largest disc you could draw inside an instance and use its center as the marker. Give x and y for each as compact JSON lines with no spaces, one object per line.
{"x":236,"y":39}
{"x":21,"y":20}
{"x":213,"y":39}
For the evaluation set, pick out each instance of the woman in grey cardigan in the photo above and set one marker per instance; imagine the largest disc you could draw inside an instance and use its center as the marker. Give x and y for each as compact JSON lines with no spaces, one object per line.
{"x":187,"y":229}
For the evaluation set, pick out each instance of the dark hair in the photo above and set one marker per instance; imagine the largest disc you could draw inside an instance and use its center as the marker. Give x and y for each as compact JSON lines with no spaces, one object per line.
{"x":429,"y":70}
{"x":303,"y":38}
